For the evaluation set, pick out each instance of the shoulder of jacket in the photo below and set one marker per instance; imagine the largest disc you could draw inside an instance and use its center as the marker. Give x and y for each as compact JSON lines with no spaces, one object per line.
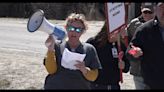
{"x":134,"y":20}
{"x":87,"y":44}
{"x":90,"y":39}
{"x":149,"y":23}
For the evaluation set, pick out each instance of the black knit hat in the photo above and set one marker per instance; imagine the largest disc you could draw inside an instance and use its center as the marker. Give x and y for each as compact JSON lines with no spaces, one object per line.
{"x":147,"y":7}
{"x":160,"y":3}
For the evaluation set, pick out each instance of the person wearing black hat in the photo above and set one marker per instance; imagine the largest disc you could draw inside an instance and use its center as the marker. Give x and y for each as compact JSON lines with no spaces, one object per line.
{"x":147,"y":45}
{"x":147,"y":13}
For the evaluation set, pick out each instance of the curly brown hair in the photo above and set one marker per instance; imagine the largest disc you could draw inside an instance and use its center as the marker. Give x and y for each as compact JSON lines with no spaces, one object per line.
{"x":77,"y":17}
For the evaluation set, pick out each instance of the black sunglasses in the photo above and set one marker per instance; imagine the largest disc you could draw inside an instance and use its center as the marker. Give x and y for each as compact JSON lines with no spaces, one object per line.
{"x":147,"y":12}
{"x":72,"y":28}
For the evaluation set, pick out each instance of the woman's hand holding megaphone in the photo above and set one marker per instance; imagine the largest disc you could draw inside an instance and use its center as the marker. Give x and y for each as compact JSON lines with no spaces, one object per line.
{"x":50,"y":43}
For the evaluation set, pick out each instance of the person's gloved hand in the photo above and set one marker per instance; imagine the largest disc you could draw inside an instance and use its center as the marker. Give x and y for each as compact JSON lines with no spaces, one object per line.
{"x":135,"y":51}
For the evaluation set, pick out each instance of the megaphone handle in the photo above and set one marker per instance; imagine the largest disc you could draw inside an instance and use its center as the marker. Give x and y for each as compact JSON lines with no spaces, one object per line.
{"x":50,"y":42}
{"x":55,"y":39}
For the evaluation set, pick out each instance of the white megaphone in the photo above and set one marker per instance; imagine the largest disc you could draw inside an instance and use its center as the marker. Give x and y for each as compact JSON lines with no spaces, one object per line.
{"x":38,"y":22}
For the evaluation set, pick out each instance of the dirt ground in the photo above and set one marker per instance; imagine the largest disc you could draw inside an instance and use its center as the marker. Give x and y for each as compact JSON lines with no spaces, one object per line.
{"x":21,"y":55}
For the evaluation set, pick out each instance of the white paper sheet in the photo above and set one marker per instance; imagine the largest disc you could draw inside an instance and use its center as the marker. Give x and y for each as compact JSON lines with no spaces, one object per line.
{"x":69,"y":59}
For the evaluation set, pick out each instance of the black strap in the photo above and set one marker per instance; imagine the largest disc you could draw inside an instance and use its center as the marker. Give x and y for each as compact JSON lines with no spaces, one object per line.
{"x":62,"y":47}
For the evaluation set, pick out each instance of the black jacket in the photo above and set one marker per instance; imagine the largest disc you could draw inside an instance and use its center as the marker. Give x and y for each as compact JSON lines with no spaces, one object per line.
{"x":135,"y":68}
{"x":149,"y":39}
{"x":110,"y":73}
